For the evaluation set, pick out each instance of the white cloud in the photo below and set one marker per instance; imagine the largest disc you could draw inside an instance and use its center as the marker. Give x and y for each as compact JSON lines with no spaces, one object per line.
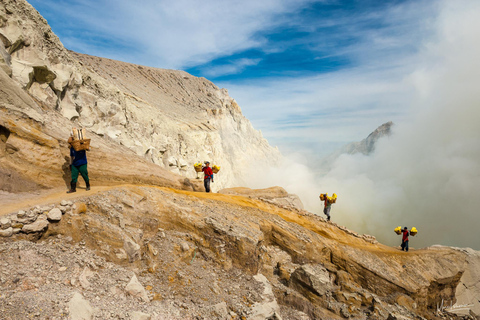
{"x":170,"y":34}
{"x":233,"y":67}
{"x":427,"y":174}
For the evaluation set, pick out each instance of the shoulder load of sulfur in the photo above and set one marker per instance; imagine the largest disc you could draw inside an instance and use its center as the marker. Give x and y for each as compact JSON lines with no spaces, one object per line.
{"x":198,"y":167}
{"x":413,"y":231}
{"x":398,"y":230}
{"x":215,"y":169}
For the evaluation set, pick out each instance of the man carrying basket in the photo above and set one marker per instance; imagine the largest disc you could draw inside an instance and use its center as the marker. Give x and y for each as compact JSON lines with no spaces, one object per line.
{"x":78,"y":164}
{"x":208,"y":175}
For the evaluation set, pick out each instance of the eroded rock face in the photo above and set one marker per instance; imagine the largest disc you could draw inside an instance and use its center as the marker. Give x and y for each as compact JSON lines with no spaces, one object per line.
{"x":169,"y":118}
{"x":302,"y":264}
{"x":274,"y":195}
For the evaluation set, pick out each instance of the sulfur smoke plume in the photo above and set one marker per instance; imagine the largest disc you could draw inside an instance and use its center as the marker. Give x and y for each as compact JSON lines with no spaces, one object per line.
{"x":427,"y":173}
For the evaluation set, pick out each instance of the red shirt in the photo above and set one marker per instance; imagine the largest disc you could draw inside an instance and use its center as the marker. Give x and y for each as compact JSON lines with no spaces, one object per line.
{"x":405,"y":235}
{"x":208,"y":172}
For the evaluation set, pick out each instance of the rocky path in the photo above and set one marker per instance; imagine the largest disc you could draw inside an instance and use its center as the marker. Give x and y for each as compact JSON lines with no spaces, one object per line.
{"x":12,"y":202}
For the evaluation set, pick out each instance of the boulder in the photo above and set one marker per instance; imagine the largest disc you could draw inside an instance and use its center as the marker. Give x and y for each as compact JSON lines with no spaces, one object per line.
{"x":6,"y":232}
{"x":313,"y":277}
{"x":54,"y":215}
{"x":5,"y":223}
{"x":132,"y":249}
{"x":38,"y":226}
{"x":218,"y":311}
{"x":135,"y":289}
{"x":268,"y":308}
{"x":79,"y":308}
{"x":137,"y":315}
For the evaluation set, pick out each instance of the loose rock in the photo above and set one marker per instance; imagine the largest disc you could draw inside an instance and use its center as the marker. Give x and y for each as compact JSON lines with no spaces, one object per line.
{"x":135,"y":289}
{"x":137,"y":315}
{"x":7,"y":232}
{"x":80,"y":308}
{"x":39,"y":225}
{"x":54,"y":215}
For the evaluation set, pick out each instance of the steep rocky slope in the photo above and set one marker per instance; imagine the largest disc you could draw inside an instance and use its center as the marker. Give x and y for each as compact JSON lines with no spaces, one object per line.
{"x":168,"y":117}
{"x":216,"y":256}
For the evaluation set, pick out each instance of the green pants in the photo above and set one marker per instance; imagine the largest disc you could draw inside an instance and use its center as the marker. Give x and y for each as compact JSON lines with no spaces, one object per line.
{"x":80,"y":169}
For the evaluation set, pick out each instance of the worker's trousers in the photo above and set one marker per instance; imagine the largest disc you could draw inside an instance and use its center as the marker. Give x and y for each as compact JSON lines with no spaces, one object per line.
{"x":80,"y":169}
{"x":206,"y":183}
{"x":326,"y":211}
{"x":405,"y":245}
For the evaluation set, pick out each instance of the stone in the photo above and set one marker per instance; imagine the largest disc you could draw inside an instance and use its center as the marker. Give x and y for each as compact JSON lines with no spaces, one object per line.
{"x":79,"y":308}
{"x":44,"y":209}
{"x":219,"y":310}
{"x":5,"y":223}
{"x":63,"y":209}
{"x":132,"y":249}
{"x":16,"y":230}
{"x":6,"y":232}
{"x":184,"y":246}
{"x":39,"y":225}
{"x":137,"y":315}
{"x":268,"y":308}
{"x":79,"y":207}
{"x":314,"y":277}
{"x":64,"y":203}
{"x":54,"y":215}
{"x":121,"y":254}
{"x":83,"y":278}
{"x":135,"y":289}
{"x":21,"y":214}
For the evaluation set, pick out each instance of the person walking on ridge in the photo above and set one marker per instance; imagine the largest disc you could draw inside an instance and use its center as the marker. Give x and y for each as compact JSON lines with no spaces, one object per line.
{"x":78,"y":164}
{"x":328,"y":201}
{"x":208,"y":175}
{"x":405,"y":235}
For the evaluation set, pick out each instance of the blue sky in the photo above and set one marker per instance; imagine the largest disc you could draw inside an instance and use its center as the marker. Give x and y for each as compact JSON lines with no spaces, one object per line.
{"x":312,"y":75}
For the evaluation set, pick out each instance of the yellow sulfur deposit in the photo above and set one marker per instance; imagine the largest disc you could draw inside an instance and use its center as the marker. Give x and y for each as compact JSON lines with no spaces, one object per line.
{"x":215,"y":168}
{"x":198,"y":167}
{"x":398,"y":230}
{"x":413,"y":231}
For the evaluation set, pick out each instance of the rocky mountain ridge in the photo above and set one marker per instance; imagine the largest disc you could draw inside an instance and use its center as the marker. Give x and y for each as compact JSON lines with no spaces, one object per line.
{"x":365,"y":147}
{"x":168,"y":117}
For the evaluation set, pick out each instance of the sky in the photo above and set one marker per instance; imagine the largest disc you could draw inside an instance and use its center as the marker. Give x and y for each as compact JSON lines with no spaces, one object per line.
{"x":312,"y":75}
{"x":315,"y":75}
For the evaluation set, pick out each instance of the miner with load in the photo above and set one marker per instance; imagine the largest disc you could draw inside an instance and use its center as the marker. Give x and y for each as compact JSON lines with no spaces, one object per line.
{"x":328,"y":201}
{"x":78,"y":145}
{"x":207,"y":173}
{"x":405,"y":233}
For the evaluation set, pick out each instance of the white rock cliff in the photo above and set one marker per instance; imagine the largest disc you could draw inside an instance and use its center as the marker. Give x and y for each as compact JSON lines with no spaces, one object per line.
{"x":170,"y":117}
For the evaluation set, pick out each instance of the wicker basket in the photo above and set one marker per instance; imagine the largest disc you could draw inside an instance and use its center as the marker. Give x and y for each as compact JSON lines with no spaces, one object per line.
{"x":79,"y":145}
{"x":198,"y":167}
{"x":215,"y":169}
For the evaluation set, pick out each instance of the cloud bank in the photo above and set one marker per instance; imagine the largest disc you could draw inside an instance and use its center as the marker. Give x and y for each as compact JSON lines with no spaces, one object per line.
{"x":427,"y":174}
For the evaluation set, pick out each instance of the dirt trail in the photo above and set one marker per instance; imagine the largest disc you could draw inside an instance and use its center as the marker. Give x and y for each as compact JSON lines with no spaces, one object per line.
{"x":12,"y":202}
